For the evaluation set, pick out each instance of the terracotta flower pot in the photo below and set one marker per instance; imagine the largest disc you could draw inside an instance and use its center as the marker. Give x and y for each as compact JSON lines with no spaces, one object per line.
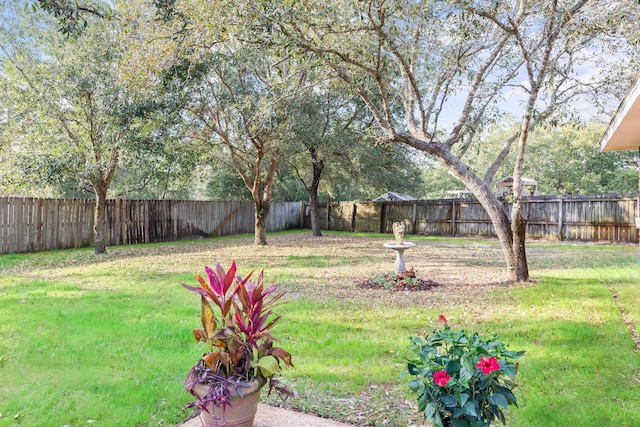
{"x":239,"y":412}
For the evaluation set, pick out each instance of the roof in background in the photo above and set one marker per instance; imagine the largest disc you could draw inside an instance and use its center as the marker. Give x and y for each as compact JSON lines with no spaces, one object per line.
{"x":393,"y":197}
{"x":623,"y":132}
{"x":508,"y":182}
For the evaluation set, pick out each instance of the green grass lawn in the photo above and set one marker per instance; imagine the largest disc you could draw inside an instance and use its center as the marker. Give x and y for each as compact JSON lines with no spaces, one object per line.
{"x":106,"y":341}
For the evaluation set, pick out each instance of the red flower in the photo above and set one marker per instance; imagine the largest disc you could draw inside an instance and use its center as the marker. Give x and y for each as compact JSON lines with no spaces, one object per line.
{"x":441,"y":378}
{"x":488,"y":364}
{"x":442,"y":319}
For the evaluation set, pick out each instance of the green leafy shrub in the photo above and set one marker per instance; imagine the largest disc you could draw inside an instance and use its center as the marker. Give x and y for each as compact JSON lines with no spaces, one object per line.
{"x":462,"y":379}
{"x":392,"y":281}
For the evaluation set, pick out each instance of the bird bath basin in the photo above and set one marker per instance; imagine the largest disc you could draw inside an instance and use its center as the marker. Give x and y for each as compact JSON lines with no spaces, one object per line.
{"x":399,"y":246}
{"x":399,"y":250}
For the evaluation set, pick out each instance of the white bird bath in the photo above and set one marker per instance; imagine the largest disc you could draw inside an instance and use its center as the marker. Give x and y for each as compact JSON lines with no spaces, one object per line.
{"x":399,"y":249}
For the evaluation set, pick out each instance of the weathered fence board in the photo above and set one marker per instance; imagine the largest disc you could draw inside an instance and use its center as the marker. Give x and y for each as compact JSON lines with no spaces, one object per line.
{"x":31,"y":224}
{"x":367,"y":219}
{"x":341,"y":216}
{"x":571,"y":218}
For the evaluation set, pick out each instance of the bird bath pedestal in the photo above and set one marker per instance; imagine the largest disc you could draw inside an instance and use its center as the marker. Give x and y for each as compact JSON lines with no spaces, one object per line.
{"x":399,"y":249}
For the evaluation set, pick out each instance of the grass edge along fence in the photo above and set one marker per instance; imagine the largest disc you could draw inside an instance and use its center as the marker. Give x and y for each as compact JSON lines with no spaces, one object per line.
{"x":603,"y":218}
{"x":29,"y":224}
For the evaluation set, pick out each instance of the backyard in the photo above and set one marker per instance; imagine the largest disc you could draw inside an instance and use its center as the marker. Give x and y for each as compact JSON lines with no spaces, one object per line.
{"x":107,"y":340}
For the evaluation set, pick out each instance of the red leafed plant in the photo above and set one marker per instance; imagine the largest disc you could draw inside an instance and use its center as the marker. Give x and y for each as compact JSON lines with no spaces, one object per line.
{"x":237,"y":318}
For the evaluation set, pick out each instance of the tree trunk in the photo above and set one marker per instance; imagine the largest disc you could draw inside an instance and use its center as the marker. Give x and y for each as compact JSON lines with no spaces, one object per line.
{"x":318,"y":166}
{"x":491,"y":204}
{"x":518,"y":222}
{"x":100,"y":219}
{"x":260,"y":229}
{"x":518,"y":229}
{"x":263,"y":206}
{"x":261,"y":195}
{"x":500,"y":222}
{"x":315,"y":215}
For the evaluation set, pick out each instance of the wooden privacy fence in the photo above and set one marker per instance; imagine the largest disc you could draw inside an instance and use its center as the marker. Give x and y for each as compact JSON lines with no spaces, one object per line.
{"x":590,"y":219}
{"x":32,"y":224}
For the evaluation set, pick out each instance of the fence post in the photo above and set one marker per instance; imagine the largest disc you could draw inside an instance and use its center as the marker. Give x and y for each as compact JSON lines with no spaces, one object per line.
{"x":147,"y":221}
{"x":117,"y":230}
{"x":173,"y":214}
{"x":560,"y":219}
{"x":124,"y":222}
{"x":413,"y":220}
{"x":453,"y":217}
{"x":353,"y":217}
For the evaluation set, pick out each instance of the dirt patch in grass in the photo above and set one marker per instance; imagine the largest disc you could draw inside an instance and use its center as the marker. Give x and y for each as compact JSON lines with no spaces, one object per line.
{"x":335,"y":266}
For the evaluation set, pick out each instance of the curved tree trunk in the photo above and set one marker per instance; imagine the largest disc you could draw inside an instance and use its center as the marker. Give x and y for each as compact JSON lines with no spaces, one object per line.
{"x":481,"y":189}
{"x":499,"y":219}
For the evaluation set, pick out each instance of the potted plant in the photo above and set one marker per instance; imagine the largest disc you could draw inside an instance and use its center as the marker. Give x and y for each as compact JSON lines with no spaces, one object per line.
{"x":237,"y":318}
{"x":462,"y":379}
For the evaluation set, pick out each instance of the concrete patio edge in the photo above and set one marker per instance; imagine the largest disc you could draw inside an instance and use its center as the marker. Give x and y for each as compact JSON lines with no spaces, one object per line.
{"x":271,"y":416}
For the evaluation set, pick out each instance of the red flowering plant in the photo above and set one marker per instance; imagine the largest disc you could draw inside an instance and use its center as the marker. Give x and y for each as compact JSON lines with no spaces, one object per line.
{"x":462,"y":379}
{"x":398,"y":281}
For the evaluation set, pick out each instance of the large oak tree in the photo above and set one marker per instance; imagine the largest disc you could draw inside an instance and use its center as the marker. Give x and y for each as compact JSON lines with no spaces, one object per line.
{"x":456,"y":67}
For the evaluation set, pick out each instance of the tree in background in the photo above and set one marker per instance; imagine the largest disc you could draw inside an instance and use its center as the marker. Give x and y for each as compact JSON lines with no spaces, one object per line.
{"x":564,"y":159}
{"x":77,"y":108}
{"x":316,"y":126}
{"x":568,"y":160}
{"x":328,"y":154}
{"x":224,"y":183}
{"x":238,"y":113}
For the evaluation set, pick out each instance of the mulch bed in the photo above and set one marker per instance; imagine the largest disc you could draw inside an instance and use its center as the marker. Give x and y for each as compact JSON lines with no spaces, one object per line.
{"x":421,"y":285}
